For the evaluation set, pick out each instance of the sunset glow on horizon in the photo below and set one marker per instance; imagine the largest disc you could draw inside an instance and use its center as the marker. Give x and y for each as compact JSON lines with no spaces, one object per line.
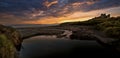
{"x":55,"y":11}
{"x":76,"y":16}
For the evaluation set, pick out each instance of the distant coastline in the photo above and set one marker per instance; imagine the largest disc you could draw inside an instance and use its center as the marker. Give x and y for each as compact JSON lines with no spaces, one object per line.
{"x":30,"y":25}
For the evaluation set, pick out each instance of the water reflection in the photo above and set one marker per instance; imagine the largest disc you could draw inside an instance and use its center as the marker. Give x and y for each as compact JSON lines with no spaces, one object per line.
{"x":50,"y":46}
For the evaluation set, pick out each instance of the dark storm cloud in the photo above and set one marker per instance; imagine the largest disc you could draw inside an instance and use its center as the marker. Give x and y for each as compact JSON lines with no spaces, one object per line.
{"x":103,"y":4}
{"x":20,"y":5}
{"x":27,"y":5}
{"x":33,"y":9}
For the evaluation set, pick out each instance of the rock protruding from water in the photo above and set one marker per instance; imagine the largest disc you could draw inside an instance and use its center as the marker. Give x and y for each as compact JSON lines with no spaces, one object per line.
{"x":82,"y":34}
{"x":9,"y":42}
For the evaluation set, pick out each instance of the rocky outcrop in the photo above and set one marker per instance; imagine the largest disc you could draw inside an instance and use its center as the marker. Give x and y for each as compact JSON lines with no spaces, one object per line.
{"x":10,"y":42}
{"x":89,"y":34}
{"x":82,"y":34}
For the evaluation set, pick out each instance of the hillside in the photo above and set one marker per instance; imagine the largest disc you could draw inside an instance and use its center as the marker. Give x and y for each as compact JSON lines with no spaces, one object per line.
{"x":104,"y":23}
{"x":9,"y":42}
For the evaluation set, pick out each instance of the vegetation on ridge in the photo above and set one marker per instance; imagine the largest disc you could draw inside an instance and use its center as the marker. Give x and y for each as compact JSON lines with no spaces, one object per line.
{"x":104,"y":23}
{"x":9,"y":42}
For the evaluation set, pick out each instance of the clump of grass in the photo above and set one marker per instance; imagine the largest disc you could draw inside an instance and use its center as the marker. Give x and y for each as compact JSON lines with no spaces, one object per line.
{"x":7,"y":49}
{"x":9,"y":39}
{"x":113,"y":32}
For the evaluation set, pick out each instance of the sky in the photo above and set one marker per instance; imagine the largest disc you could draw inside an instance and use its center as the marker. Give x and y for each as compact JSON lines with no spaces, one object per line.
{"x":54,"y":11}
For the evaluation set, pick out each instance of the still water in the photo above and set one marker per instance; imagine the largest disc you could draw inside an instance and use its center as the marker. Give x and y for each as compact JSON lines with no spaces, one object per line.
{"x":50,"y":46}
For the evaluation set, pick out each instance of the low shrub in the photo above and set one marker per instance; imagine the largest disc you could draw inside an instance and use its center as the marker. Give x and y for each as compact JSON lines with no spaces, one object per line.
{"x":113,"y":32}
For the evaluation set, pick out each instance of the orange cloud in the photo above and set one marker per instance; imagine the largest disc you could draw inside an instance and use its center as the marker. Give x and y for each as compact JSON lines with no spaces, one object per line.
{"x":81,"y":3}
{"x":70,"y":17}
{"x":77,"y":16}
{"x":48,"y":4}
{"x":45,"y":20}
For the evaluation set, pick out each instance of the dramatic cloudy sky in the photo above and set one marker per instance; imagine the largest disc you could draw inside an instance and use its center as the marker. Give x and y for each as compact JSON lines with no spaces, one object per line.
{"x":54,"y":11}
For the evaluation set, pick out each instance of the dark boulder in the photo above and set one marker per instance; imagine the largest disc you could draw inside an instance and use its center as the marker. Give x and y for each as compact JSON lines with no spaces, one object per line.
{"x":82,"y":35}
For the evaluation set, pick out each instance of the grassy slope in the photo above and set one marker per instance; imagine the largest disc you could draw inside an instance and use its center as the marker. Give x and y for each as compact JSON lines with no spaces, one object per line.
{"x":9,"y":38}
{"x":110,"y":26}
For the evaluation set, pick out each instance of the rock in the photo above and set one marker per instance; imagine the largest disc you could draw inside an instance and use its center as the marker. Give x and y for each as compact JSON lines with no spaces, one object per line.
{"x":82,"y":35}
{"x":9,"y":42}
